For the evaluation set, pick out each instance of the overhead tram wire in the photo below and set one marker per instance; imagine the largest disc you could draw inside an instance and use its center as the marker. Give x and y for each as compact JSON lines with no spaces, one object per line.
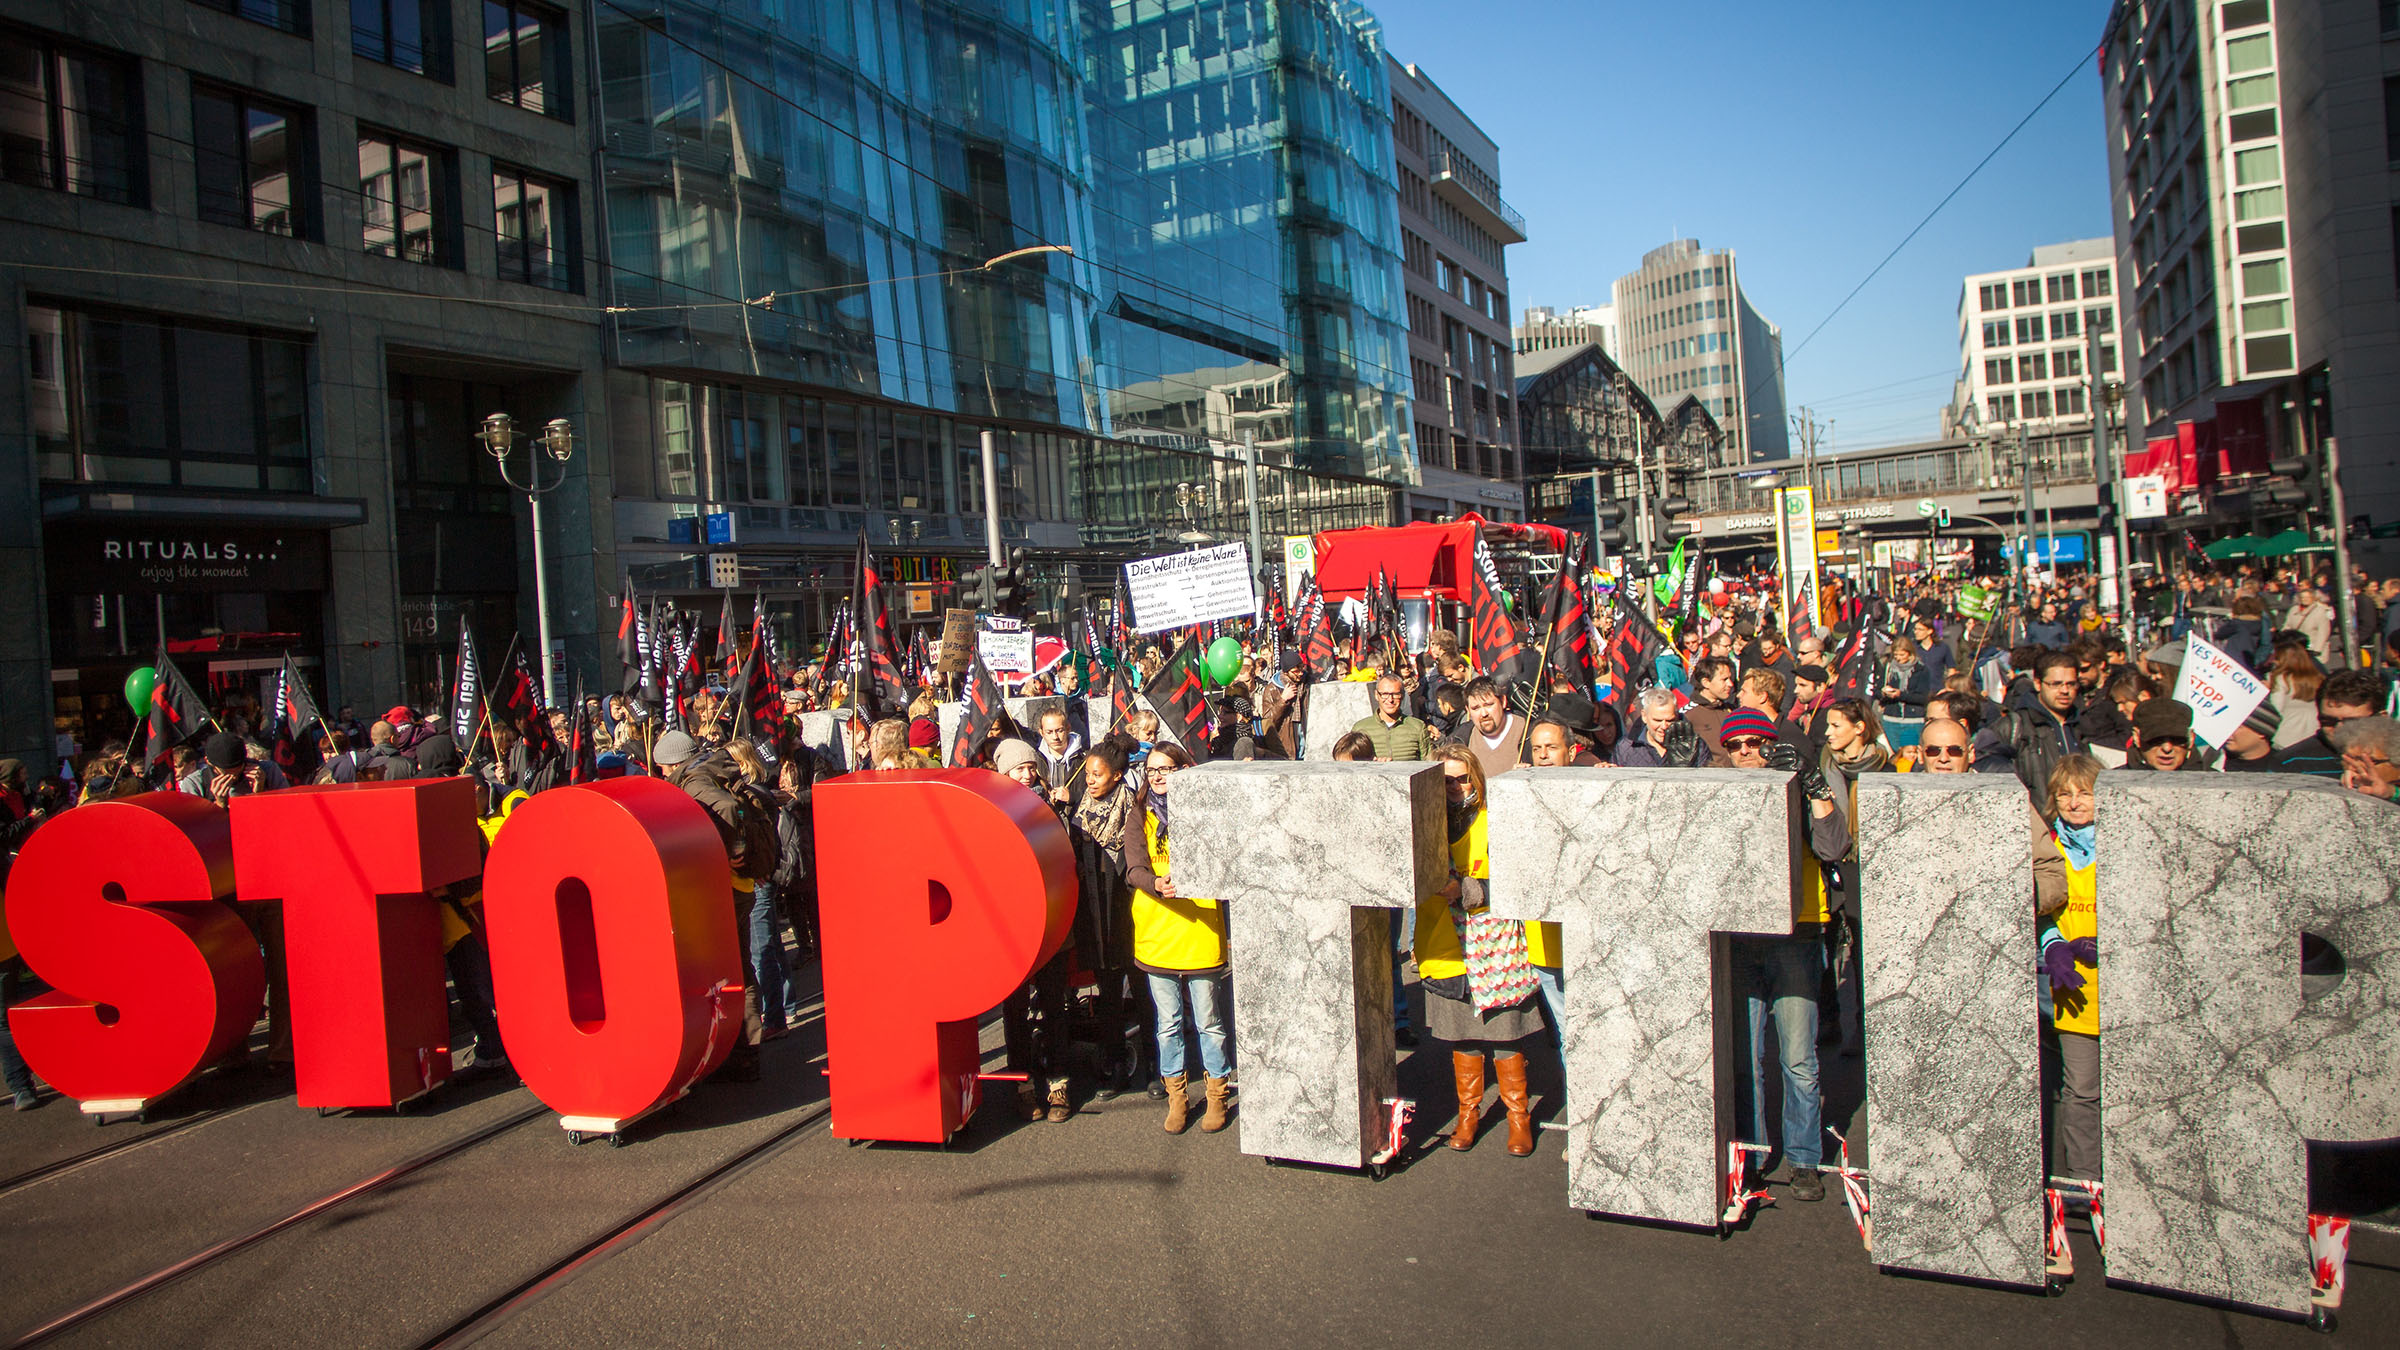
{"x":1784,"y":359}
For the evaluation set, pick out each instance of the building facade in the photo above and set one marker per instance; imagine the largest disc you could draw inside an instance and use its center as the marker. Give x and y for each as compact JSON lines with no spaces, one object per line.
{"x":1544,"y":329}
{"x":1454,"y":230}
{"x":2249,"y":145}
{"x":1688,"y":328}
{"x":2023,"y":339}
{"x":266,"y":268}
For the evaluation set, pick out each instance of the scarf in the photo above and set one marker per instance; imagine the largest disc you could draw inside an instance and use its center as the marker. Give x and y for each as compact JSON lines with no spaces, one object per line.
{"x":1158,"y":812}
{"x":1103,"y":818}
{"x":2080,"y":841}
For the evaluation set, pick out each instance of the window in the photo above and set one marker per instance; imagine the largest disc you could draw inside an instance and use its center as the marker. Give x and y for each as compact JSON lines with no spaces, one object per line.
{"x":2070,"y":401}
{"x":2102,"y":319}
{"x":2256,"y":92}
{"x":2027,"y":292}
{"x":1996,"y":371}
{"x":410,"y":34}
{"x":2064,"y":325}
{"x":1992,"y":297}
{"x":2067,"y":361}
{"x":2259,"y":204}
{"x":2029,"y":329}
{"x":251,"y":157}
{"x":406,"y":199}
{"x":2262,"y":165}
{"x":137,"y":398}
{"x":2095,"y":283}
{"x":2264,"y":314}
{"x":2108,"y":360}
{"x":1995,"y":333}
{"x":289,"y":15}
{"x":2060,"y":288}
{"x":2037,"y":403}
{"x":533,"y":222}
{"x":524,"y":57}
{"x":2246,"y":54}
{"x":2259,"y":238}
{"x":2263,"y":278}
{"x":2033,"y":366}
{"x":2245,"y":14}
{"x":2003,"y":407}
{"x":70,"y":120}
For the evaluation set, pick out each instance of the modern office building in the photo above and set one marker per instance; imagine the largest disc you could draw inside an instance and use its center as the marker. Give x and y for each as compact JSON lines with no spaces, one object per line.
{"x":1545,"y":329}
{"x":1688,"y":328}
{"x":801,"y":211}
{"x":267,"y":266}
{"x":2256,"y":219}
{"x":2023,"y":339}
{"x":1454,"y":230}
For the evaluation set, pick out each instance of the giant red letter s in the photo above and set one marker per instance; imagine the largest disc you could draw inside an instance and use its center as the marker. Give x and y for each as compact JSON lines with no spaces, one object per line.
{"x":354,"y":866}
{"x":941,"y":890}
{"x":119,"y":906}
{"x":610,"y":912}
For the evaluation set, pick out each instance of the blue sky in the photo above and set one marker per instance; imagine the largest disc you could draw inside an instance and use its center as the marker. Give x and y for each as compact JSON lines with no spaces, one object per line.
{"x":1809,"y":137}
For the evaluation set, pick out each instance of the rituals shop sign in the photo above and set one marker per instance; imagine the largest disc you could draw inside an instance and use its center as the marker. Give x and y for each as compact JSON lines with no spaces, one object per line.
{"x":136,"y":558}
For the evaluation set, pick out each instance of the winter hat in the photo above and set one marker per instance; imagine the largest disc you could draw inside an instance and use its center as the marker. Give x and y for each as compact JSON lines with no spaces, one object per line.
{"x":1013,"y":753}
{"x":2166,"y":654}
{"x":1289,"y":660}
{"x":400,"y":716}
{"x":1746,"y":722}
{"x":225,"y":751}
{"x":924,"y":734}
{"x":2264,"y":720}
{"x":674,"y":748}
{"x":2163,"y":719}
{"x":1814,"y":674}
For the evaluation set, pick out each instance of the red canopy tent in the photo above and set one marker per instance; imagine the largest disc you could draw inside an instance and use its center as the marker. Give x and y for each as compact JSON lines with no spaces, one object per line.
{"x":1432,"y":559}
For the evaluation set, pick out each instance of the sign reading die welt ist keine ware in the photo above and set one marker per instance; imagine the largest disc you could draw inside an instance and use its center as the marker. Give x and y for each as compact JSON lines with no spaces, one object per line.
{"x":174,"y":558}
{"x":1189,"y":588}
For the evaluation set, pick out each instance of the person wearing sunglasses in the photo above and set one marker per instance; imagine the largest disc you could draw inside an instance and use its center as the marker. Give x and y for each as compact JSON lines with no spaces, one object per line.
{"x":2162,"y":737}
{"x":1779,"y":976}
{"x":1943,"y":748}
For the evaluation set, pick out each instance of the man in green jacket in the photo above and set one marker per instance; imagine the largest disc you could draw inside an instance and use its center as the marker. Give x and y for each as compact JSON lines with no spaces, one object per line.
{"x":1396,"y":735}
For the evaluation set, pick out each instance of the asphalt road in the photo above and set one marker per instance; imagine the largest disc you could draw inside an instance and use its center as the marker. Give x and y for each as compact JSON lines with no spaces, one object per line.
{"x":1100,"y":1231}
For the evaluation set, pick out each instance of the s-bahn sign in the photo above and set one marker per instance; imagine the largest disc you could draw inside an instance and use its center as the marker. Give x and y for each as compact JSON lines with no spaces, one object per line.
{"x":619,"y":983}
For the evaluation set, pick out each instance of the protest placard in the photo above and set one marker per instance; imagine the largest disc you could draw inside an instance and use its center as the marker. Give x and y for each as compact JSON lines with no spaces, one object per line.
{"x":2219,"y":690}
{"x":1006,"y":646}
{"x":1187,"y":588}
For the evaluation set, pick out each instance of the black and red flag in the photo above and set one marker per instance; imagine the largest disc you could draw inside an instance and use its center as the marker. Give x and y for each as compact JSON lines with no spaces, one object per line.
{"x":762,"y":697}
{"x":294,"y":713}
{"x":633,"y":638}
{"x":1854,"y":669}
{"x":176,"y":710}
{"x":729,"y":639}
{"x":1492,"y":635}
{"x":583,"y":762}
{"x":879,"y":691}
{"x":1695,"y":580}
{"x":1317,"y":648}
{"x":1631,"y":651}
{"x":1120,"y":698}
{"x":1569,"y":632}
{"x":981,"y":712}
{"x":521,"y":699}
{"x":1182,"y":701}
{"x":837,"y":649}
{"x":466,"y":691}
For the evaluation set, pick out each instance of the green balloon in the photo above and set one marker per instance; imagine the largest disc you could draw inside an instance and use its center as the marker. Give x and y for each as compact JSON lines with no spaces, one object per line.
{"x":1508,"y":601}
{"x":1223,"y":661}
{"x":138,"y":686}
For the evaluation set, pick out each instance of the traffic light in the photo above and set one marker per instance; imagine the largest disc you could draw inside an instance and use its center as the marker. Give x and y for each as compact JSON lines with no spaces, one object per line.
{"x":1012,"y":585}
{"x":1666,"y":510}
{"x":2297,"y":485}
{"x":1610,"y":516}
{"x":1941,"y":517}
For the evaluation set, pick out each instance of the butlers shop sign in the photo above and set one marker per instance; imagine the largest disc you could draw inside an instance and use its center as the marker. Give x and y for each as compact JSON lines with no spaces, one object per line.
{"x":619,"y":982}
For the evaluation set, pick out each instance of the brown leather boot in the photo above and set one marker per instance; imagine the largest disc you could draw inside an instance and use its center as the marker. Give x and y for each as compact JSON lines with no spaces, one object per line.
{"x":1467,"y":1068}
{"x":1061,"y":1106}
{"x":1511,"y":1072}
{"x":1213,"y":1119}
{"x":1179,"y":1111}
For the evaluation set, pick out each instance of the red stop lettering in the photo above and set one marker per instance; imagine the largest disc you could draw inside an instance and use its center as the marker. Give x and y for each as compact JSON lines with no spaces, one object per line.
{"x":610,"y":915}
{"x":119,"y":906}
{"x":353,"y":865}
{"x":942,"y":891}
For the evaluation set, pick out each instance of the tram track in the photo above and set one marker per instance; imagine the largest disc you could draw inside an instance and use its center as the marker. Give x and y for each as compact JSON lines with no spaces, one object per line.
{"x":208,"y":1256}
{"x":125,"y":1145}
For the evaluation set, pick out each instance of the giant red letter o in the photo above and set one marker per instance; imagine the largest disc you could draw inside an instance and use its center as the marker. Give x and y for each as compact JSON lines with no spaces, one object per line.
{"x":609,"y":907}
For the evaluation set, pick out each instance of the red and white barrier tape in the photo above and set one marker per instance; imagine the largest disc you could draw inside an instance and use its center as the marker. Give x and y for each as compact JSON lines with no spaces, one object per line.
{"x":1854,"y":1189}
{"x":1738,"y":1195}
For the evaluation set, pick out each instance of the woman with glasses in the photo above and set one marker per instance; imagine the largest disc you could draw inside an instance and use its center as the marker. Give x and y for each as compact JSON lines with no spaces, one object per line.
{"x":1179,"y":943}
{"x":2068,"y":908}
{"x":1480,"y":990}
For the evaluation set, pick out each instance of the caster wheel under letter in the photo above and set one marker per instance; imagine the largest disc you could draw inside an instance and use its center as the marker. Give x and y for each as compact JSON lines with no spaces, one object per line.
{"x":2322,"y":1320}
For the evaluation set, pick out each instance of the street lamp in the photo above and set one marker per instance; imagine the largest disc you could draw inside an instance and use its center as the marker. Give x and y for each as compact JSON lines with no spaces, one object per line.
{"x":499,"y":436}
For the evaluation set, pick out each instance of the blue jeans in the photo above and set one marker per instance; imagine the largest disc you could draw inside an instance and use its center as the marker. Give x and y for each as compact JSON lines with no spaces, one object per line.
{"x":1779,"y":976}
{"x":1208,"y":1015}
{"x":1554,"y":998}
{"x":12,"y":1065}
{"x":767,"y":973}
{"x":1404,"y":939}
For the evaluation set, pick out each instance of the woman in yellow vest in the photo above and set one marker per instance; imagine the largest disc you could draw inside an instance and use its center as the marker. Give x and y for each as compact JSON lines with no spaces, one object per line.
{"x":2071,"y":958}
{"x":1179,"y":942}
{"x":1479,"y":989}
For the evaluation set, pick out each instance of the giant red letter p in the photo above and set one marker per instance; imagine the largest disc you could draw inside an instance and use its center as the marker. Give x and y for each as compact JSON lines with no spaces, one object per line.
{"x":942,"y":890}
{"x":119,"y":906}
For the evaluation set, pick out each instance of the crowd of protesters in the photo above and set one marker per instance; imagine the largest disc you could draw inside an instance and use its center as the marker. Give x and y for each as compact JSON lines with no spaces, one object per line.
{"x":2045,"y":687}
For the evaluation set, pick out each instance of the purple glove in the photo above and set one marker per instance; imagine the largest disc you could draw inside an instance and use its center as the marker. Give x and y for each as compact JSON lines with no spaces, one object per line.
{"x":2086,"y":951}
{"x":2058,"y":961}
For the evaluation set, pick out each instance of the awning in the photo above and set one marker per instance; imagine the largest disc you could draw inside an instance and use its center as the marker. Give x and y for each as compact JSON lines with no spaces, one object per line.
{"x":2288,"y":543}
{"x":2233,"y":546}
{"x":290,"y":510}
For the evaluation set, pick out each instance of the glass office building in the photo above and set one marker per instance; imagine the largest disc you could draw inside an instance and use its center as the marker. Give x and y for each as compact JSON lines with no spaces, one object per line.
{"x":799,"y":203}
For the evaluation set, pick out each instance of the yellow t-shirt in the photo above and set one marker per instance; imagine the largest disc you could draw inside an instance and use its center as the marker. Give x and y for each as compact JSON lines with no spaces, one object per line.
{"x":2079,"y":1009}
{"x":1184,"y":933}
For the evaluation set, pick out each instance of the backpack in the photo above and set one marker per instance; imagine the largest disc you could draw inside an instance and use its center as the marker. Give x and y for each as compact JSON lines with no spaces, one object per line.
{"x":754,"y":821}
